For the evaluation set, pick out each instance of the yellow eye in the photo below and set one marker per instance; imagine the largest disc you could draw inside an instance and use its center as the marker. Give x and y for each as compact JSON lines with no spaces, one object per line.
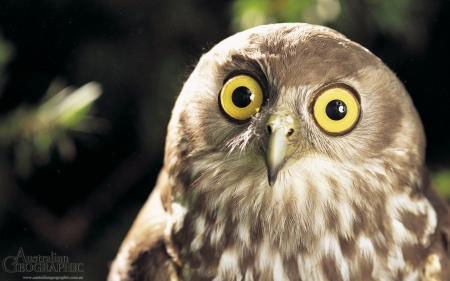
{"x":336,"y":110}
{"x":241,"y":97}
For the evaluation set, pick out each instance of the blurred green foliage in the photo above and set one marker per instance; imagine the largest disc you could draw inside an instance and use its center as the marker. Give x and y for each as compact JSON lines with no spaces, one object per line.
{"x":32,"y":132}
{"x":6,"y":54}
{"x":441,"y":180}
{"x":249,"y":13}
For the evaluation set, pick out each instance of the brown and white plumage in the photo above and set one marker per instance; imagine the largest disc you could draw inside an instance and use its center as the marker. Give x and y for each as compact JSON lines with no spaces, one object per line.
{"x":277,"y":197}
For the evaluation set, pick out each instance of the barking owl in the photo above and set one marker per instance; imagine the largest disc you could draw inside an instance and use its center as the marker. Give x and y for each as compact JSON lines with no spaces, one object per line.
{"x":293,"y":153}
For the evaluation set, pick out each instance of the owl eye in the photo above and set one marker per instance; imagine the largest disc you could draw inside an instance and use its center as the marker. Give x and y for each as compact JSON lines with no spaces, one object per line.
{"x":336,"y":110}
{"x":241,"y":97}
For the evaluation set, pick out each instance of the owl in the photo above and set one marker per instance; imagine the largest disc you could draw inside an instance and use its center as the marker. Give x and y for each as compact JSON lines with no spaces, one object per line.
{"x":292,"y":153}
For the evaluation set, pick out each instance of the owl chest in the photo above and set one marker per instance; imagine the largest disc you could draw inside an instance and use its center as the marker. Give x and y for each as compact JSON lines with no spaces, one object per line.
{"x":224,"y":252}
{"x":215,"y":251}
{"x":206,"y":257}
{"x":262,"y":260}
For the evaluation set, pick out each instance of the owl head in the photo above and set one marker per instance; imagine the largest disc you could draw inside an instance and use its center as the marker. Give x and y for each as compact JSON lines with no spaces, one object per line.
{"x":296,"y":129}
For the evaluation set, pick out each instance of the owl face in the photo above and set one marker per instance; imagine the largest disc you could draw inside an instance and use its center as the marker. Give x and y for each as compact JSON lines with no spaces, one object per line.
{"x":278,"y":98}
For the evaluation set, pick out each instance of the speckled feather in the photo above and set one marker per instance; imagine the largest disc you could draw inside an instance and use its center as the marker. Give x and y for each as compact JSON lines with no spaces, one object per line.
{"x":353,"y":207}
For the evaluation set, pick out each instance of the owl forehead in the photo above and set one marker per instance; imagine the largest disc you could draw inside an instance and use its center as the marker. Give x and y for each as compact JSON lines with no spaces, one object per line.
{"x":293,"y":55}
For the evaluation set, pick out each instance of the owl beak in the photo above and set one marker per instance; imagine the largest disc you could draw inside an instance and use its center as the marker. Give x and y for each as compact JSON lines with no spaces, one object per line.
{"x":281,"y":129}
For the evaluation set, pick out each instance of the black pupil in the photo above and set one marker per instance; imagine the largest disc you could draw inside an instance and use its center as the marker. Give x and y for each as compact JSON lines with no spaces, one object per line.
{"x":241,"y":97}
{"x":336,"y":109}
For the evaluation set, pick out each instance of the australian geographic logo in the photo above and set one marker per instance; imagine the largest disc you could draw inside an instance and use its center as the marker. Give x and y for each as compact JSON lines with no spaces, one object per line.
{"x":52,"y":263}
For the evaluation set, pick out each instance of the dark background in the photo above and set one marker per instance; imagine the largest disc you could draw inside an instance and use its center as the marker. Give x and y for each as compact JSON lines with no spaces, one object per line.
{"x":140,"y":52}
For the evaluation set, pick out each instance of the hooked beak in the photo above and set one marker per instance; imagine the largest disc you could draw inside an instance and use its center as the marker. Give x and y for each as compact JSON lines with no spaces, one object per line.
{"x":282,"y":129}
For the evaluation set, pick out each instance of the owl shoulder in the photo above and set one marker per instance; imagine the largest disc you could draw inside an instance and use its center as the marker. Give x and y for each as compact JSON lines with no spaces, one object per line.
{"x":143,"y":254}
